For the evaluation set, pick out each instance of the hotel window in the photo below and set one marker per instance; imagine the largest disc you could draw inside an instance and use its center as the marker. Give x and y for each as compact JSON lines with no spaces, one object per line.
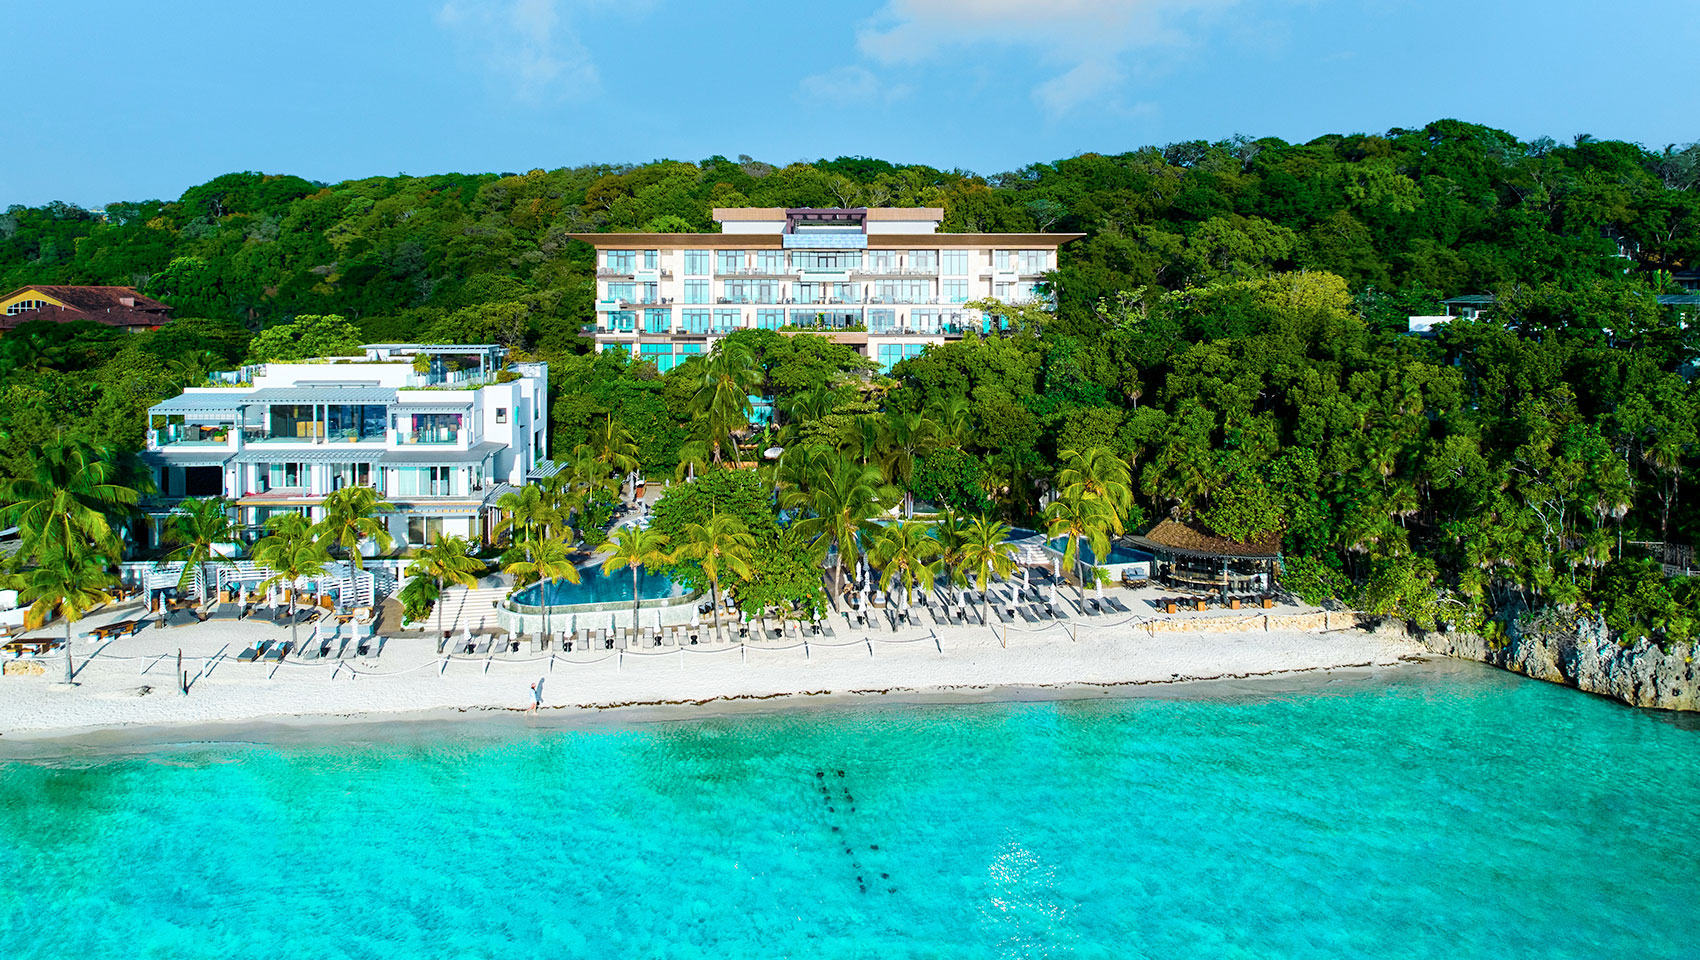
{"x":925,"y":320}
{"x":890,"y":354}
{"x":770,"y":319}
{"x":1001,"y":291}
{"x":659,"y":320}
{"x":286,"y":475}
{"x":354,"y":421}
{"x":424,"y":530}
{"x":660,"y":354}
{"x":622,"y":292}
{"x":955,"y":291}
{"x":770,"y":261}
{"x":927,"y":260}
{"x":956,"y":263}
{"x":847,"y":292}
{"x":828,"y":260}
{"x":882,"y":261}
{"x":501,"y":414}
{"x":650,"y":258}
{"x":426,"y":481}
{"x":696,"y":263}
{"x":622,"y":261}
{"x":808,"y":292}
{"x":1003,"y":259}
{"x":725,"y":321}
{"x":650,"y":292}
{"x":696,"y":321}
{"x":728,"y":261}
{"x":903,"y":291}
{"x":351,"y":475}
{"x":750,"y":291}
{"x":1033,"y":261}
{"x":882,"y":321}
{"x":696,"y":291}
{"x":622,"y":320}
{"x":688,"y":350}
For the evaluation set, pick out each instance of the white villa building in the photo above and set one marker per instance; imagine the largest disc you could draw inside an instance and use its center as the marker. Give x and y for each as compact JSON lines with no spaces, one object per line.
{"x":441,"y":446}
{"x":883,"y":280}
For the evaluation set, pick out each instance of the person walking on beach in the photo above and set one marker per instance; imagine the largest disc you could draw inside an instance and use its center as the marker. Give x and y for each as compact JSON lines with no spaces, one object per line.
{"x":536,"y":697}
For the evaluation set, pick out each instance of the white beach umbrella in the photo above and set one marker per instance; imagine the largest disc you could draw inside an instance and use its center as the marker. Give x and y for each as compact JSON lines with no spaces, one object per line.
{"x":1024,"y":583}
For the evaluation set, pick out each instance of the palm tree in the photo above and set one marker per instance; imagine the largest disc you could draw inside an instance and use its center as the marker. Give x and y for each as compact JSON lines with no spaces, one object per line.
{"x":722,"y":397}
{"x":951,"y":531}
{"x":67,"y":499}
{"x":1097,"y":474}
{"x":906,"y":555}
{"x":292,"y":554}
{"x":955,"y":417}
{"x":613,"y":446}
{"x":1079,"y":517}
{"x":904,"y":437}
{"x":986,"y":552}
{"x":527,"y":514}
{"x":193,"y":530}
{"x":635,"y":548}
{"x":444,"y":562}
{"x":722,"y":545}
{"x":844,"y":497}
{"x":552,"y":561}
{"x":349,"y":521}
{"x":65,"y":583}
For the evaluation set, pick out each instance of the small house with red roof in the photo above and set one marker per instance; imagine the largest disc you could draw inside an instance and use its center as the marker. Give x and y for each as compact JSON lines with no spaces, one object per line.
{"x":113,"y":306}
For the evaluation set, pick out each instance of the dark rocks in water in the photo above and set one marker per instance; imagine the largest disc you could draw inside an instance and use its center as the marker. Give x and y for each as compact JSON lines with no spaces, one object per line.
{"x":831,"y":809}
{"x":885,"y":876}
{"x":820,"y":773}
{"x":834,"y":829}
{"x":841,"y":773}
{"x":890,"y":889}
{"x":873,"y":846}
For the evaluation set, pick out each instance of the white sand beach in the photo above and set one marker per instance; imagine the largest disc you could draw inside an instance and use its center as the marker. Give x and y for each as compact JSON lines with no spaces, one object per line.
{"x":132,"y":681}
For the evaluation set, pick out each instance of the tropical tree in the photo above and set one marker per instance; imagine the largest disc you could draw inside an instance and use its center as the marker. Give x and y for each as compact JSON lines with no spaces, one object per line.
{"x":905,"y":437}
{"x":951,"y":532}
{"x":67,"y":584}
{"x":448,"y":561}
{"x":1097,"y":474}
{"x":906,"y":555}
{"x":721,"y":545}
{"x":551,"y":561}
{"x":349,"y":520}
{"x":613,"y":446}
{"x":722,"y":397}
{"x":842,"y":500}
{"x":292,"y":554}
{"x":193,"y":530}
{"x":67,"y":498}
{"x":1079,"y":517}
{"x":635,"y":548}
{"x":986,"y":552}
{"x":528,"y":514}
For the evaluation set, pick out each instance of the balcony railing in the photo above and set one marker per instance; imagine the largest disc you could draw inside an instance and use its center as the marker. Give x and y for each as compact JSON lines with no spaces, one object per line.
{"x":444,"y":435}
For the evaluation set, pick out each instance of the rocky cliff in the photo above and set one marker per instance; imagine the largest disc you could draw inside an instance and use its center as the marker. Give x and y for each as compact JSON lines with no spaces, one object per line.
{"x":1584,"y":655}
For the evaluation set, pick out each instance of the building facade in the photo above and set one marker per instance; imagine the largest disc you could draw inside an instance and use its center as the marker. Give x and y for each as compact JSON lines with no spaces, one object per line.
{"x":882,"y":280}
{"x":440,"y":431}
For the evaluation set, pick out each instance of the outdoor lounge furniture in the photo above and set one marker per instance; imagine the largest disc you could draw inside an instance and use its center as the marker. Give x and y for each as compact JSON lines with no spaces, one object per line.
{"x":1057,"y":611}
{"x":1088,"y":606}
{"x":1043,"y":609}
{"x":226,"y":610}
{"x":1116,"y":604}
{"x":369,"y":646}
{"x":1003,"y":615}
{"x":253,"y":653}
{"x":276,"y":653}
{"x":117,"y":629}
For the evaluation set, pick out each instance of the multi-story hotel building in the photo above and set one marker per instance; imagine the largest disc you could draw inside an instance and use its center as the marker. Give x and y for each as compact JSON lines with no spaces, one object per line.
{"x":881,"y":279}
{"x":441,"y":445}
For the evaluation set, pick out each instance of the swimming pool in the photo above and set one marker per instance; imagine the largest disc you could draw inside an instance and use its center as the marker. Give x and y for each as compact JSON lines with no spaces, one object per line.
{"x":1118,"y":553}
{"x":593,"y":587}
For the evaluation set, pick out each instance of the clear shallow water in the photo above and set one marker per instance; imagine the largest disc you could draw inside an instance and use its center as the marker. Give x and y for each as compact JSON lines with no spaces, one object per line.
{"x":593,"y":587}
{"x":1433,"y":815}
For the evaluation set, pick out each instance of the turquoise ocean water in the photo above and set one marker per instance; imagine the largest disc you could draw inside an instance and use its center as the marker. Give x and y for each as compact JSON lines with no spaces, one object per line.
{"x":1431,"y":813}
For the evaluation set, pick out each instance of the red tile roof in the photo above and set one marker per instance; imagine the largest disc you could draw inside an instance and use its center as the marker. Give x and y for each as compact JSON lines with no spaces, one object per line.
{"x":113,"y":306}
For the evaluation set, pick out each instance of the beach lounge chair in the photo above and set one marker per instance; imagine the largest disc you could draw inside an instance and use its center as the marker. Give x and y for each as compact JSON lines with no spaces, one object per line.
{"x":369,"y":646}
{"x":1117,"y":605}
{"x":252,"y":652}
{"x":481,"y":645}
{"x":1003,"y":615}
{"x":1026,"y":614}
{"x":1089,"y":606}
{"x":650,"y":637}
{"x":276,"y":653}
{"x":825,"y":628}
{"x":1056,"y":611}
{"x":1042,"y":610}
{"x":226,"y":610}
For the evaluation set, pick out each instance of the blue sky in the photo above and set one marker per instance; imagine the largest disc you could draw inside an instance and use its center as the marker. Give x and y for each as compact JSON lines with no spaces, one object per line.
{"x":121,"y":100}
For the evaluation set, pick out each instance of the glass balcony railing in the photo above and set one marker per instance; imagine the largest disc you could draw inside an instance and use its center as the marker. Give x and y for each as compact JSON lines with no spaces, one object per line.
{"x":438,"y":435}
{"x":194,"y":434}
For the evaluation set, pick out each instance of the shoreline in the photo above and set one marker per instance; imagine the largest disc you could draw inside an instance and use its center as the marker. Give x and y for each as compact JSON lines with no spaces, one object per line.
{"x":499,"y":720}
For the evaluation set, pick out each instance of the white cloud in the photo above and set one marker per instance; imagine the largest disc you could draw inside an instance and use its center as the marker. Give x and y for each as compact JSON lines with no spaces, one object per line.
{"x":525,"y":42}
{"x":1085,"y":41}
{"x":848,"y":86}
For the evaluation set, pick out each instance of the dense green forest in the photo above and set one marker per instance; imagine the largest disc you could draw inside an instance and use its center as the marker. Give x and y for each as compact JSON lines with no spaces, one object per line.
{"x":1230,"y":327}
